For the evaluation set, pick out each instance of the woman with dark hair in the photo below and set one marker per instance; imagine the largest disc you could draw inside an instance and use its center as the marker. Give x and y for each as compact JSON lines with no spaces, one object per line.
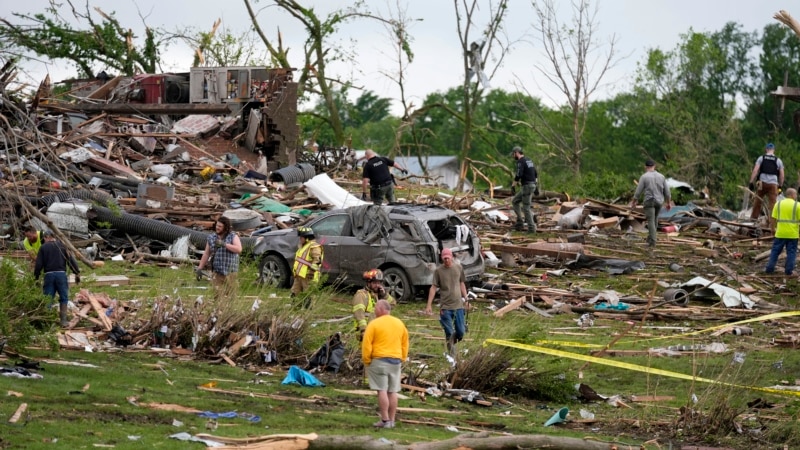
{"x":222,"y":252}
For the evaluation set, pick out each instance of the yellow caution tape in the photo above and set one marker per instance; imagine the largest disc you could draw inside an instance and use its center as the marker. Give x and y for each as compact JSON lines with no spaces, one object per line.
{"x":570,"y":344}
{"x":675,"y":336}
{"x":719,"y":327}
{"x":629,"y":366}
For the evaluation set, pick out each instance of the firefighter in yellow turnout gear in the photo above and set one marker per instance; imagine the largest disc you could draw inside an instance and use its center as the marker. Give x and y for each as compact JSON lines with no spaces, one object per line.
{"x":365,"y":299}
{"x":307,"y":262}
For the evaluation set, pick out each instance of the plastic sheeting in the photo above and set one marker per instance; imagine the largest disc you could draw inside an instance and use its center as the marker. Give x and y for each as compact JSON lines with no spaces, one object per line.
{"x":300,"y":377}
{"x":328,"y":192}
{"x":730,"y":297}
{"x":612,"y":266}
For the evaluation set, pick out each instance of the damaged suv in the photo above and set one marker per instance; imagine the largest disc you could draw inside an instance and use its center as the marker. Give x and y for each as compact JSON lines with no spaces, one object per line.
{"x":403,"y":240}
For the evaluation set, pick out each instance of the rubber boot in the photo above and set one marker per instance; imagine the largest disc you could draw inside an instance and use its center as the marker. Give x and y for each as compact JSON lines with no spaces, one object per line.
{"x":62,"y":312}
{"x":451,"y":346}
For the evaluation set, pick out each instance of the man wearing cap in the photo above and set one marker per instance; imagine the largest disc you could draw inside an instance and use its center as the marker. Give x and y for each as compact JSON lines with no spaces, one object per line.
{"x":527,"y":176}
{"x":52,"y":259}
{"x":449,"y":279}
{"x":380,"y":180}
{"x":656,"y":193}
{"x":767,"y":175}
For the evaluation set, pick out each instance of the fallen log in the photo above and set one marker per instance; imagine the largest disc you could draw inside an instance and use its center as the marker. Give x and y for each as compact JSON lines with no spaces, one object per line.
{"x":472,"y":441}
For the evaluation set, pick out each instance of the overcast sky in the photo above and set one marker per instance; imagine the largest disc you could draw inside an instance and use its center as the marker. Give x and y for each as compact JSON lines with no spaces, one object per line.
{"x":637,"y":25}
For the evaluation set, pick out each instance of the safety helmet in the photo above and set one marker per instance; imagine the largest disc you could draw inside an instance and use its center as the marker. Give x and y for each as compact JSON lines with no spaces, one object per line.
{"x":306,"y":232}
{"x":373,"y":275}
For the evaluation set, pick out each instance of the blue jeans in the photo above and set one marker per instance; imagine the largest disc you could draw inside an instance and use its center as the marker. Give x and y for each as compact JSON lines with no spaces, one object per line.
{"x":791,"y":255}
{"x":450,"y":317}
{"x":56,"y":282}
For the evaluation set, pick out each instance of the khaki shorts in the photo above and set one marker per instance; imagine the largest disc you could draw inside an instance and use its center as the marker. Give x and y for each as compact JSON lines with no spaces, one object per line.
{"x":383,"y":376}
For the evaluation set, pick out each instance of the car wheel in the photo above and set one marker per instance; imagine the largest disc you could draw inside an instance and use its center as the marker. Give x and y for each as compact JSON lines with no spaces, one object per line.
{"x":274,"y":271}
{"x":397,"y":284}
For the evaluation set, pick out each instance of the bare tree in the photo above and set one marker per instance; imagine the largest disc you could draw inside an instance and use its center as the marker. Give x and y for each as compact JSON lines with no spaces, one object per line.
{"x":318,"y":51}
{"x":574,"y":69}
{"x":398,"y":32}
{"x":477,"y":46}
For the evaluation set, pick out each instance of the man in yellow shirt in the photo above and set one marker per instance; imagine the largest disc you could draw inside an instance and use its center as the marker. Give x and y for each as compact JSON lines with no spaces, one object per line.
{"x":786,"y":223}
{"x":383,"y":350}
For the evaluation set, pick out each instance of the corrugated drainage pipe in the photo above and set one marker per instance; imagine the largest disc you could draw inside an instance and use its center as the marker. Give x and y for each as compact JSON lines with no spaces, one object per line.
{"x":299,"y":173}
{"x":156,"y":229}
{"x":133,"y":224}
{"x":80,"y":194}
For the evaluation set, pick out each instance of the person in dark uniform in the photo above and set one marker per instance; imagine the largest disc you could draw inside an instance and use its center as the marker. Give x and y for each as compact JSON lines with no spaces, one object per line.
{"x":380,"y":180}
{"x":52,"y":260}
{"x":766,"y":178}
{"x":527,"y":176}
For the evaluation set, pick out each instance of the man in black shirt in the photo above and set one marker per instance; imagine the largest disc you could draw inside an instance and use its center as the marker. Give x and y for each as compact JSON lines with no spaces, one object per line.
{"x":525,"y":175}
{"x":52,"y":259}
{"x":379,"y":178}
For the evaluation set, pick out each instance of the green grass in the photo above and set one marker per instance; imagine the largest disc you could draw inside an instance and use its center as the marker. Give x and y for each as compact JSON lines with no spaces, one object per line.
{"x":106,"y":413}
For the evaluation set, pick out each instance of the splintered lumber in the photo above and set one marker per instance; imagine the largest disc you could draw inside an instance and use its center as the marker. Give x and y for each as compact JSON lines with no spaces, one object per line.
{"x":144,"y":108}
{"x":170,"y":407}
{"x":228,"y":360}
{"x":78,"y":315}
{"x":560,"y":251}
{"x":270,"y":442}
{"x":101,"y":313}
{"x":515,"y":304}
{"x":103,"y":280}
{"x":608,"y":222}
{"x":20,"y":411}
{"x":652,"y":398}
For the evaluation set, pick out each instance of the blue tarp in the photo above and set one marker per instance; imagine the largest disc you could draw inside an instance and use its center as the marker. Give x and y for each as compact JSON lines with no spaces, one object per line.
{"x":230,"y":415}
{"x":299,"y":376}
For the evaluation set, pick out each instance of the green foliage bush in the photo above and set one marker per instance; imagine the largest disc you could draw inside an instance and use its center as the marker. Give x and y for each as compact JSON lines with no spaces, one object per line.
{"x":606,"y":186}
{"x":24,"y":312}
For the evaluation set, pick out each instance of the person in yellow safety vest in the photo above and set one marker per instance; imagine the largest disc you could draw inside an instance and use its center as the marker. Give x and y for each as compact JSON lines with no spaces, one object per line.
{"x":786,"y":223}
{"x":32,"y":242}
{"x":365,"y":299}
{"x":307,"y":261}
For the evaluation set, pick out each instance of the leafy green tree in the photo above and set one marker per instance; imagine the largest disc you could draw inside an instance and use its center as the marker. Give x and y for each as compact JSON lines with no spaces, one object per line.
{"x":694,"y":90}
{"x":103,"y":44}
{"x":769,"y":117}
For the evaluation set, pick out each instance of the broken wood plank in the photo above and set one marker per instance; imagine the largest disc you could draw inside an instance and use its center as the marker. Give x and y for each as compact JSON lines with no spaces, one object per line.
{"x":101,"y":312}
{"x":652,"y":398}
{"x":18,"y":413}
{"x":515,"y":304}
{"x":143,"y":108}
{"x":539,"y":311}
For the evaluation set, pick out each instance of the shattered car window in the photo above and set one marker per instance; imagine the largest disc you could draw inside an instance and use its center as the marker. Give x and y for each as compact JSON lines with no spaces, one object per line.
{"x":336,"y":225}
